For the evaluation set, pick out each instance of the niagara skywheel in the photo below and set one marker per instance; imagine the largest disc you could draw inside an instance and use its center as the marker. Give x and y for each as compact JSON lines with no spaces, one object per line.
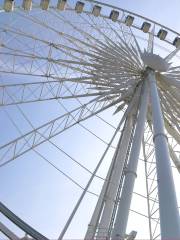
{"x":90,"y":109}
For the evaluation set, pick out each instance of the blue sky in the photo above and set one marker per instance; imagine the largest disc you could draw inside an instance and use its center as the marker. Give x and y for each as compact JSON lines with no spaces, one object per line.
{"x":37,"y":192}
{"x":163,"y":11}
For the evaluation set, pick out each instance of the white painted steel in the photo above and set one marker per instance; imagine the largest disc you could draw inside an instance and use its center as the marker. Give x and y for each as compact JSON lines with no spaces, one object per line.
{"x":169,"y":214}
{"x":129,"y":115}
{"x":92,"y":226}
{"x":96,"y":214}
{"x":119,"y":230}
{"x":89,"y":183}
{"x":114,"y":181}
{"x":112,"y":82}
{"x":174,"y":158}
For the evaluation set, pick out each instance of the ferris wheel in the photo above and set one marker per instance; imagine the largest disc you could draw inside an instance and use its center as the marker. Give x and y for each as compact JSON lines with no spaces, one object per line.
{"x":91,"y":70}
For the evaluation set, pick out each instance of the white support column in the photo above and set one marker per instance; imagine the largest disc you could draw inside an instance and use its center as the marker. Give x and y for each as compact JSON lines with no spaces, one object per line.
{"x":101,"y":206}
{"x":114,"y":181}
{"x":119,"y":230}
{"x":169,"y":214}
{"x":97,"y":211}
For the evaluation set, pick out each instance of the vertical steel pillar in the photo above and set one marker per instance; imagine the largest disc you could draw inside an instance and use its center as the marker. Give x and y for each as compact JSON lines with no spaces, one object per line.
{"x":119,"y":230}
{"x":105,"y":202}
{"x":92,"y":226}
{"x":114,"y":180}
{"x":169,"y":214}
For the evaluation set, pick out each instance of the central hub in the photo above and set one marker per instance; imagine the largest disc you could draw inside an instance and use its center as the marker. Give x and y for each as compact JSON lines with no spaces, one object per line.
{"x":155,"y":62}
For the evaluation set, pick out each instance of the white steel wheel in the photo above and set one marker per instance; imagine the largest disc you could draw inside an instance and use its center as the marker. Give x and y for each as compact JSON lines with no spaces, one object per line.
{"x":76,"y":82}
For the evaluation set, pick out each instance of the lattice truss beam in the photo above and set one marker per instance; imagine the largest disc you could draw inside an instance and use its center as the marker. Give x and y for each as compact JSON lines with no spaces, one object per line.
{"x":98,"y":62}
{"x":151,"y":177}
{"x":64,"y":86}
{"x":151,"y":183}
{"x":98,"y":70}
